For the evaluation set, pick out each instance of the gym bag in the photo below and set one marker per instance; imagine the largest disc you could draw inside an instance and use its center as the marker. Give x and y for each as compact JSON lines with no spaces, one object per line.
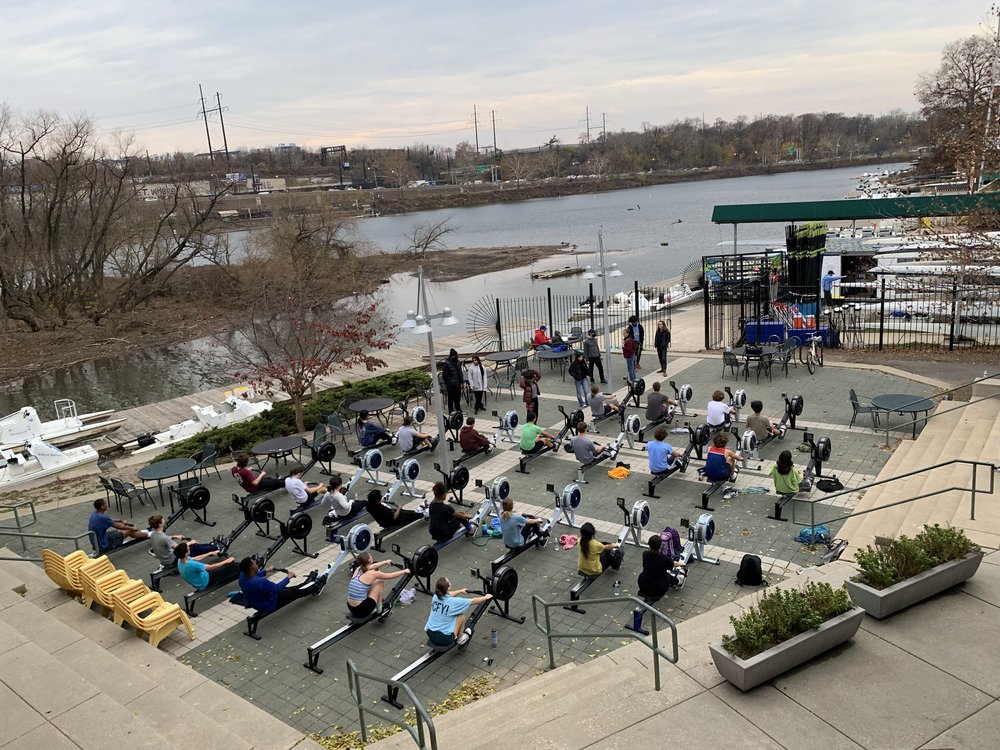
{"x":820,"y":534}
{"x":670,"y":543}
{"x":750,"y":573}
{"x":829,"y":485}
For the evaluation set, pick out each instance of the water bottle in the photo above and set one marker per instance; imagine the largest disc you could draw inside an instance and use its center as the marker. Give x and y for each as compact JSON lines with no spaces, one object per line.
{"x":493,"y":638}
{"x":617,"y":588}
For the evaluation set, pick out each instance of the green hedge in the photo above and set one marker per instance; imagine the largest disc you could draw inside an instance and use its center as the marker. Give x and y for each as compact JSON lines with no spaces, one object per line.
{"x":280,"y":419}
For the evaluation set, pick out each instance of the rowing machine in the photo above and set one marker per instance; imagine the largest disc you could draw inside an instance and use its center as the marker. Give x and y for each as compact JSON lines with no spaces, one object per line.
{"x":819,"y":451}
{"x":508,"y":424}
{"x":636,"y":519}
{"x":455,"y":483}
{"x":737,"y":401}
{"x":635,"y":389}
{"x":683,"y":396}
{"x":680,"y":464}
{"x":503,"y":585}
{"x":750,"y":445}
{"x":297,"y":529}
{"x":368,"y":462}
{"x":567,"y":502}
{"x":192,"y":497}
{"x":585,"y":580}
{"x":421,"y":565}
{"x":407,"y":472}
{"x":629,"y":429}
{"x":701,"y":532}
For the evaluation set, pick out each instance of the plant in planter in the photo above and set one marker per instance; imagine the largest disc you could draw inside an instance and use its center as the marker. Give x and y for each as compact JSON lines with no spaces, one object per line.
{"x":786,"y":628}
{"x":908,"y":570}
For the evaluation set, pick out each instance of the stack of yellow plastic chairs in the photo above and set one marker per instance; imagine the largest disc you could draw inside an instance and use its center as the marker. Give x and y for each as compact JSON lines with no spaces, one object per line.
{"x":64,"y":571}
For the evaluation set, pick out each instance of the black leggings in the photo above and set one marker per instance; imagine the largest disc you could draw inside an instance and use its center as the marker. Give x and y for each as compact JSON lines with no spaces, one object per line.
{"x":596,"y":362}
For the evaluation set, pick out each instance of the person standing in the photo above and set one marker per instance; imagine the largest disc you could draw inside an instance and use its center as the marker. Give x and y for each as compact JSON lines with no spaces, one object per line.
{"x":628,"y":352}
{"x":579,"y":372}
{"x":662,"y":342}
{"x":638,"y":336}
{"x":475,"y":375}
{"x":452,"y":375}
{"x":828,"y":287}
{"x":592,"y":351}
{"x":530,"y":390}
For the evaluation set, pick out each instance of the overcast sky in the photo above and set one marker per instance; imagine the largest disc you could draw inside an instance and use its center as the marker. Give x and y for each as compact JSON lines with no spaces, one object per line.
{"x":395,"y":73}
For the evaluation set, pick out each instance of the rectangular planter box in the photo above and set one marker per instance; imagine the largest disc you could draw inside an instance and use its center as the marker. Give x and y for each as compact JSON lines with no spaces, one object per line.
{"x":899,"y":596}
{"x":747,"y":674}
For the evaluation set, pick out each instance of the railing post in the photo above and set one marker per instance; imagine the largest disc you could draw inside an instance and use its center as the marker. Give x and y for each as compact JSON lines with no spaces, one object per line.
{"x":548,"y":638}
{"x":548,"y":295}
{"x":881,"y":327}
{"x":951,"y":331}
{"x":499,"y":326}
{"x":593,"y":304}
{"x":975,"y":484}
{"x":654,"y":632}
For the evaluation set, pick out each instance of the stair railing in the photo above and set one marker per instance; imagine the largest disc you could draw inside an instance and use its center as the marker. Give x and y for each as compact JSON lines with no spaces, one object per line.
{"x":652,"y":643}
{"x":924,"y":419}
{"x":90,"y":536}
{"x":423,"y":733}
{"x":977,"y":468}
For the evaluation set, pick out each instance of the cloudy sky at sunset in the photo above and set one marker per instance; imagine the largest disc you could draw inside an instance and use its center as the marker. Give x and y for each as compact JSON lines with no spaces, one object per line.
{"x":396,"y":73}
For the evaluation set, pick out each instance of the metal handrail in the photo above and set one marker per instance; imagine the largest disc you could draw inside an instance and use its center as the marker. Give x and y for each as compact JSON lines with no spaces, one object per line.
{"x":653,"y":643}
{"x":927,"y":417}
{"x":952,"y":390}
{"x":417,"y":732}
{"x":91,"y":536}
{"x":973,"y":490}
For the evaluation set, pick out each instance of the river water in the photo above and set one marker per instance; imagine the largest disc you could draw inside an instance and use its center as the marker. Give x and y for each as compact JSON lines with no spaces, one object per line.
{"x":634,"y":223}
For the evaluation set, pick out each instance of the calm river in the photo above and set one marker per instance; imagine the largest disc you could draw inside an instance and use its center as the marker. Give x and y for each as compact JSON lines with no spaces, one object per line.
{"x":635,"y":224}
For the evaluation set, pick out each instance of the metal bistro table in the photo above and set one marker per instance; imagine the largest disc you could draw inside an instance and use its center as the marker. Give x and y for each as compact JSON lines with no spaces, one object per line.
{"x":277,"y":448}
{"x":166,"y":469}
{"x":376,"y":406}
{"x":503,"y":358}
{"x":741,"y":351}
{"x":561,"y":358}
{"x":903,"y":403}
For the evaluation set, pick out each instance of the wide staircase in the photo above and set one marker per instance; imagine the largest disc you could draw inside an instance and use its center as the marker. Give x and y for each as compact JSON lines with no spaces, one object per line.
{"x":69,"y":678}
{"x":971,"y":433}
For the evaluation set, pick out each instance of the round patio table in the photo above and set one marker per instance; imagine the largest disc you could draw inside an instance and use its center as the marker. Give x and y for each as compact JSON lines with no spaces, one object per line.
{"x":500,"y":357}
{"x":376,"y":406}
{"x":561,"y":358}
{"x":277,"y":448}
{"x":903,"y":403}
{"x":741,"y":351}
{"x":166,"y":469}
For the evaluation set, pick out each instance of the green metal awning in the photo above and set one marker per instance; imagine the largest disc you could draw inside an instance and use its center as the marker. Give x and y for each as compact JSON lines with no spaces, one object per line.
{"x":861,"y":209}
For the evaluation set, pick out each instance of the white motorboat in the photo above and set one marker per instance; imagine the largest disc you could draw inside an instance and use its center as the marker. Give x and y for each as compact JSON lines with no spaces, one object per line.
{"x":39,"y":460}
{"x":623,"y":304}
{"x":235,"y":408}
{"x":677,"y":295}
{"x":69,"y":427}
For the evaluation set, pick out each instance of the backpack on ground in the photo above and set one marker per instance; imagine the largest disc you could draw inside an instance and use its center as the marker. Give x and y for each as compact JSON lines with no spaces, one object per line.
{"x":670,"y":543}
{"x":814,"y":535}
{"x":750,"y":572}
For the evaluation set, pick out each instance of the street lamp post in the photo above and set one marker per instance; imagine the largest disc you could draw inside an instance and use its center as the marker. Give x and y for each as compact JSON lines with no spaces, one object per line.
{"x":419,"y":322}
{"x":604,"y":272}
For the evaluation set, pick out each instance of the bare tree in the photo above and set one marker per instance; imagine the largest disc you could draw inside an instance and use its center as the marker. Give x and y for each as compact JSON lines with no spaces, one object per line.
{"x":517,"y":166}
{"x":302,"y":318}
{"x":427,"y":237}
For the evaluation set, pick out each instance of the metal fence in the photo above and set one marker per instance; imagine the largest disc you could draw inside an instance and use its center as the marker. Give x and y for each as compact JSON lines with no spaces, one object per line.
{"x":516,"y":319}
{"x":748,"y":299}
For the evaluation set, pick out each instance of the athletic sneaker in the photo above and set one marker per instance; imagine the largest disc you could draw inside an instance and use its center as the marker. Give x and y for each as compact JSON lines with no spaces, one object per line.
{"x":313,"y":574}
{"x":320,"y":585}
{"x":464,"y":638}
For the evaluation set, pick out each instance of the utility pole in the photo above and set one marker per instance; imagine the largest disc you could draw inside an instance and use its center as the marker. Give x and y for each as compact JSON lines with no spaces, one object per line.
{"x":588,"y":124}
{"x":604,"y":128}
{"x":204,"y":115}
{"x":225,"y":144}
{"x":493,"y":115}
{"x":475,"y":124}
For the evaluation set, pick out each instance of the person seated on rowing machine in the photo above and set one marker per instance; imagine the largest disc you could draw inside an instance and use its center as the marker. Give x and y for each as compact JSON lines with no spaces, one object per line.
{"x":585,"y":449}
{"x":786,"y":477}
{"x":305,"y":494}
{"x":163,"y":545}
{"x":203,"y":575}
{"x":388,"y":516}
{"x":662,"y":455}
{"x":595,"y":556}
{"x":471,"y":440}
{"x":370,"y":432}
{"x":533,"y":437}
{"x":446,"y":624}
{"x":409,"y":439}
{"x":601,"y":404}
{"x":720,"y":463}
{"x":658,"y":404}
{"x":251,"y":484}
{"x":659,"y":573}
{"x":266,"y":596}
{"x":717,"y":411}
{"x":445,"y":521}
{"x":367,"y":584}
{"x":111,"y":532}
{"x":517,"y":528}
{"x":340,"y":506}
{"x":762,"y":426}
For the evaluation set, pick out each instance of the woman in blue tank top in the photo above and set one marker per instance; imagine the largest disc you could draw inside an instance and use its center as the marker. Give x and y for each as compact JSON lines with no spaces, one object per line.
{"x":364,"y":590}
{"x":720,"y":463}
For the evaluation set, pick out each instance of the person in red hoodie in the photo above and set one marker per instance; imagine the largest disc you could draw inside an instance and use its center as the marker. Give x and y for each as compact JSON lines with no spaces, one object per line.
{"x":628,"y":351}
{"x":541,"y":339}
{"x":471,"y":439}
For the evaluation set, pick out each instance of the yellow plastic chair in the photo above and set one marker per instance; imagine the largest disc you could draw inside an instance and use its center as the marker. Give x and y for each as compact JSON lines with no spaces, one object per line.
{"x":105,"y":586}
{"x":64,"y":571}
{"x":122,"y":598}
{"x":88,"y":574}
{"x":160,"y":619}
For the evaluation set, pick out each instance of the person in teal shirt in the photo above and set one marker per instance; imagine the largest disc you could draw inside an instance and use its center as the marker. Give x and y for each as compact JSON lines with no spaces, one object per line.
{"x":446,"y":623}
{"x":533,"y":437}
{"x":516,"y":528}
{"x":202,"y":575}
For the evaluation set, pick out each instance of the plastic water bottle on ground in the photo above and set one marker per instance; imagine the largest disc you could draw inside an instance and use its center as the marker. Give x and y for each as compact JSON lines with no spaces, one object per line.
{"x":493,"y":638}
{"x":617,"y":588}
